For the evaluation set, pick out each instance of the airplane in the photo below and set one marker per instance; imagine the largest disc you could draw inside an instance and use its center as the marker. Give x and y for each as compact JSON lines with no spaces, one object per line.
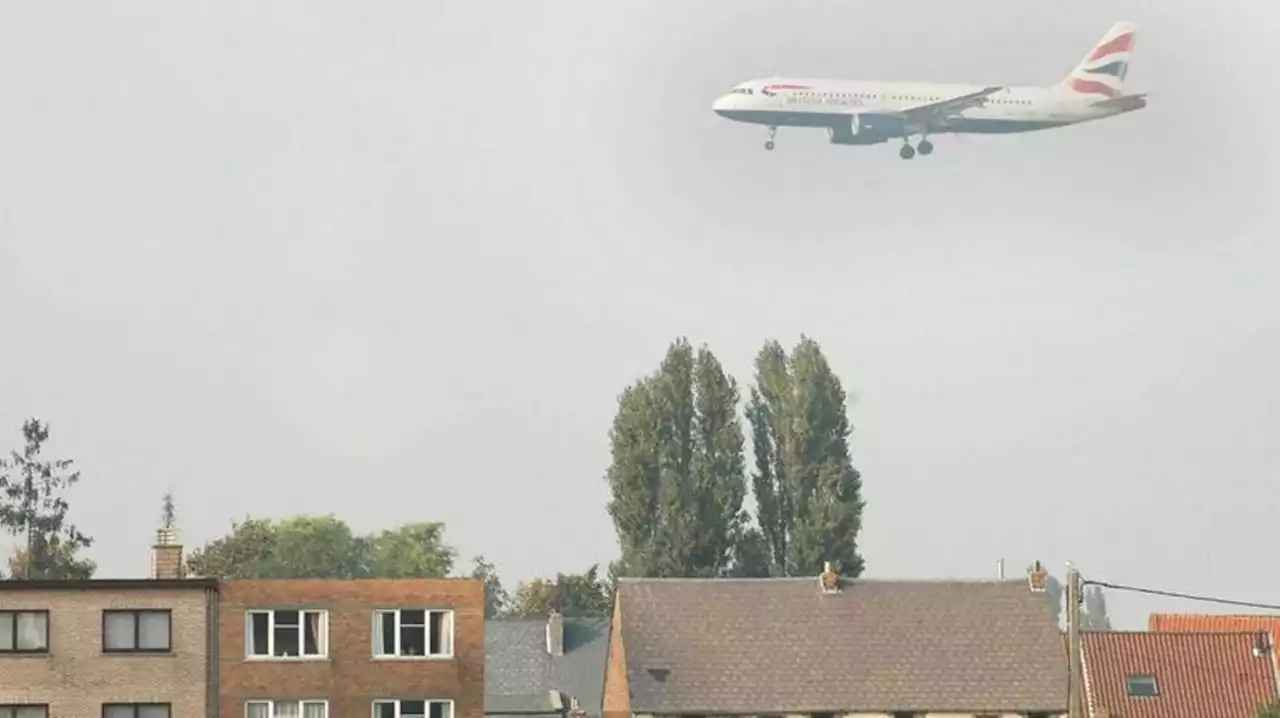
{"x":870,"y":113}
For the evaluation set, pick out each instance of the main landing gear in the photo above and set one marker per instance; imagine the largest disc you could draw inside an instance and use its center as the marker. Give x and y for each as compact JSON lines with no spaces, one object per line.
{"x":768,"y":144}
{"x":925,"y":147}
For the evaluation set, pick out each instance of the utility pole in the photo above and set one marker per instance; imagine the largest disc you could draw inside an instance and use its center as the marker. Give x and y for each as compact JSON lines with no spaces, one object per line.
{"x":1075,"y":684}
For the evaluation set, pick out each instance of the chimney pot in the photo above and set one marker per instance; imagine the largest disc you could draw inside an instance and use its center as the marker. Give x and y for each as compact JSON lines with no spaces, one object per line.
{"x":829,"y":580}
{"x":1037,"y":578}
{"x":555,"y":633}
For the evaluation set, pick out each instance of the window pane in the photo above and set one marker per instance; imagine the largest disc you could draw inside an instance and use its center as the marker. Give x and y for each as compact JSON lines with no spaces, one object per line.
{"x":6,"y":644}
{"x":286,"y":641}
{"x":259,"y":633}
{"x":314,"y":709}
{"x":153,"y":631}
{"x":413,"y":641}
{"x":257,"y":709}
{"x":413,"y":617}
{"x":117,"y":711}
{"x":441,"y":709}
{"x":384,"y":636}
{"x":288,"y":709}
{"x":313,"y":633}
{"x":33,"y":633}
{"x":413,"y":708}
{"x":153,"y":711}
{"x":441,"y":633}
{"x":384,"y":709}
{"x":117,"y":632}
{"x":286,"y":618}
{"x":32,"y":712}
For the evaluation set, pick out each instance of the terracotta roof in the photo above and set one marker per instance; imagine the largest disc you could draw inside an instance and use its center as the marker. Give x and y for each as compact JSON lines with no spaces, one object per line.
{"x":734,"y":646}
{"x":1213,"y":623}
{"x":1197,"y":675}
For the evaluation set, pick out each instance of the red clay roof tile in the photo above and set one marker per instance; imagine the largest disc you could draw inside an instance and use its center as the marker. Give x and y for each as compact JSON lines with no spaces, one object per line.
{"x":1197,"y":675}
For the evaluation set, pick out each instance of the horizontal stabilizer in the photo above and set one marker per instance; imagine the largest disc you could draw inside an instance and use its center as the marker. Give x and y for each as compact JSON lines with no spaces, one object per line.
{"x":1123,"y":102}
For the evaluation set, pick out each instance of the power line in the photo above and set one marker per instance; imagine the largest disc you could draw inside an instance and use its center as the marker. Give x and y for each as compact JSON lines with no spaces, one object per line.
{"x":1185,"y":596}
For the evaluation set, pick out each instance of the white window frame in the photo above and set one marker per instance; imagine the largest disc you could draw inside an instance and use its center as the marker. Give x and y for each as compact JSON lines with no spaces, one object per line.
{"x":302,"y":705}
{"x":323,"y":637}
{"x":427,"y":703}
{"x":426,"y":656}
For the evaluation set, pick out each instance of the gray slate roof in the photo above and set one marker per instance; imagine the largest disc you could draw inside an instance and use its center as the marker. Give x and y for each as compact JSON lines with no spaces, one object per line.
{"x":782,"y":646}
{"x":519,"y":673}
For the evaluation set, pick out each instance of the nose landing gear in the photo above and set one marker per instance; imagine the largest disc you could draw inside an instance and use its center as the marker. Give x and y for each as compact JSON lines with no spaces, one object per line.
{"x":768,"y":144}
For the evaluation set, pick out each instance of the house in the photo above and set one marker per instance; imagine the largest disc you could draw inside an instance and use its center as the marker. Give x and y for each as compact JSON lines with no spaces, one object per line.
{"x":390,"y":648}
{"x":116,"y":648}
{"x":545,"y":667}
{"x":828,"y":646}
{"x":1178,"y":675}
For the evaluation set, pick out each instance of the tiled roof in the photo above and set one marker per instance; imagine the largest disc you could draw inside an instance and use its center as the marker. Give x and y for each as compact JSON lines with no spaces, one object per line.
{"x":1197,"y":675}
{"x":519,"y":674}
{"x":1214,"y":623}
{"x":782,"y":646}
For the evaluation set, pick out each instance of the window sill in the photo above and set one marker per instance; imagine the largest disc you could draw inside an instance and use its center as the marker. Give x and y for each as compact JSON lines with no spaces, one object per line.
{"x":161,"y":654}
{"x":285,"y":659}
{"x":24,"y":654}
{"x":413,"y":658}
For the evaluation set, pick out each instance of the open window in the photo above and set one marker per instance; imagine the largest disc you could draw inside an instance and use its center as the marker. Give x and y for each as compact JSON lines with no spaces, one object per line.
{"x":412,"y":709}
{"x":412,"y":633}
{"x":287,"y":634}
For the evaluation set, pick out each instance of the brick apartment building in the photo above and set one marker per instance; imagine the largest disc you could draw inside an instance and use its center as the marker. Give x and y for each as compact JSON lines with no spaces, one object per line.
{"x":109,"y":648}
{"x":393,"y":648}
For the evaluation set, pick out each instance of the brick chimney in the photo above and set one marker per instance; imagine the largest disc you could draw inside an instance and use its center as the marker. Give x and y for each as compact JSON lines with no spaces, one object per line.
{"x":1037,"y":578}
{"x":829,"y":580}
{"x":555,"y":633}
{"x":166,"y":554}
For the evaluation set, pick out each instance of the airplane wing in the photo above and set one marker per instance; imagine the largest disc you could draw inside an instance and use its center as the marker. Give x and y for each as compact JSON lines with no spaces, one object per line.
{"x":941,"y":108}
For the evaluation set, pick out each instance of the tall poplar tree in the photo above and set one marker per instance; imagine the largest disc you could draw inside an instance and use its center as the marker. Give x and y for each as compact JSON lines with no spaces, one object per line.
{"x":677,"y":475}
{"x":808,"y":494}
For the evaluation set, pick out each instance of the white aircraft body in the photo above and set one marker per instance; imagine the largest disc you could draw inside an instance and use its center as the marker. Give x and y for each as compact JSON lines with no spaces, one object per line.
{"x":869,"y":113}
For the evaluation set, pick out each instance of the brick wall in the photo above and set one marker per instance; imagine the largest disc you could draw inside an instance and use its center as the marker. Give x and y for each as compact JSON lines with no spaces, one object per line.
{"x":350,"y":678}
{"x":75,"y":678}
{"x":617,"y":692}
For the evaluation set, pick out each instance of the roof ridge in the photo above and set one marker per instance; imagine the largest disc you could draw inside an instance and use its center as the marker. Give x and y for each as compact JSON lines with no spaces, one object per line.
{"x":781,"y":579}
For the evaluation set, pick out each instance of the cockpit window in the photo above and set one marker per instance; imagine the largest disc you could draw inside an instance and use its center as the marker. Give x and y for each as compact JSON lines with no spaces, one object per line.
{"x":741,"y":91}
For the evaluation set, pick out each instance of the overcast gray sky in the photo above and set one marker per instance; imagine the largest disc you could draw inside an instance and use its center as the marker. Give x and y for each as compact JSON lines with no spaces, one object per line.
{"x":395,"y":260}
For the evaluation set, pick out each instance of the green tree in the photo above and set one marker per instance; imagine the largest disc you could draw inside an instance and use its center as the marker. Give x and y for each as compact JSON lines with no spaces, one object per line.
{"x":496,"y":598}
{"x":413,"y":550}
{"x":677,"y":475}
{"x":1094,"y":617}
{"x":33,"y":506}
{"x":580,"y":594}
{"x":323,"y":547}
{"x":54,"y":559}
{"x":1271,"y":709}
{"x":1055,"y":592}
{"x":808,"y":495}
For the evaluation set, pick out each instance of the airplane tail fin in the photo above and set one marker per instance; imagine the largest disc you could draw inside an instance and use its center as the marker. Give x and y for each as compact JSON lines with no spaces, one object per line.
{"x":1101,"y":73}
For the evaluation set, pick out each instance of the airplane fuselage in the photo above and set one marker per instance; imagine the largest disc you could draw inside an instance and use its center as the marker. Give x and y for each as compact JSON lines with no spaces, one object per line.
{"x":878,"y":106}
